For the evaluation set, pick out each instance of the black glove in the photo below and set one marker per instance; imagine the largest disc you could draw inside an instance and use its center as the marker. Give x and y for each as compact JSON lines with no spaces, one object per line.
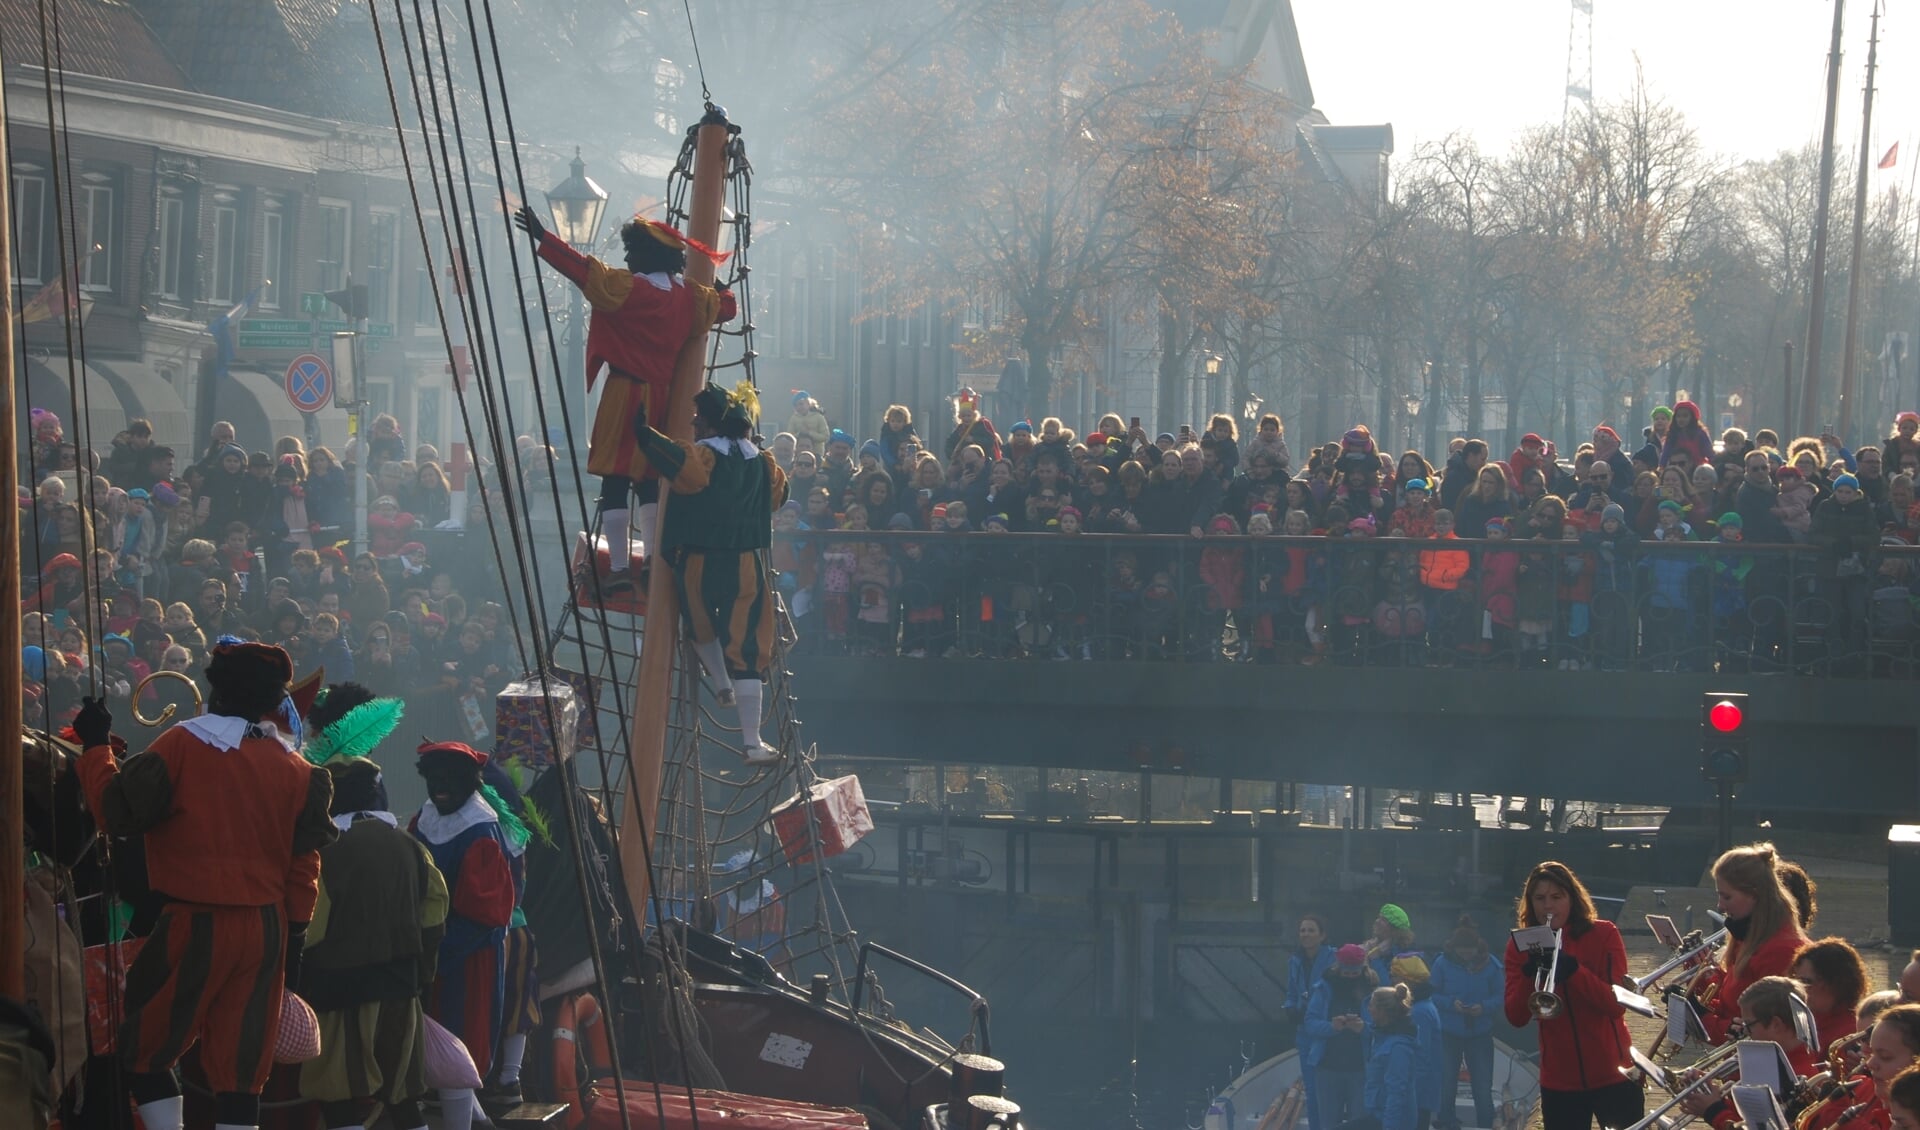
{"x":1569,"y":965}
{"x":528,"y":222}
{"x":1536,"y":961}
{"x":94,"y":724}
{"x":296,"y":946}
{"x":640,"y":418}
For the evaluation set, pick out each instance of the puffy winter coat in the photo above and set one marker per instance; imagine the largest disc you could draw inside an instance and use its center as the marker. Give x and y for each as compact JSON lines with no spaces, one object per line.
{"x":1466,"y":986}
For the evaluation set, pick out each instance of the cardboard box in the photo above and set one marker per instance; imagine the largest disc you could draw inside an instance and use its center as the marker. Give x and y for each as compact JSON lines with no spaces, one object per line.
{"x":840,"y":809}
{"x":536,"y":721}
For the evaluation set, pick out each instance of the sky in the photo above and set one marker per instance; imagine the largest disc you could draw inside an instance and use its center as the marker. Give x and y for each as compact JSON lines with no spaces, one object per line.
{"x":1748,"y":74}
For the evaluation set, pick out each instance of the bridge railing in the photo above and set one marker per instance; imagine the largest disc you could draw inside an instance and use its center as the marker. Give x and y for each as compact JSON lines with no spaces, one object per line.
{"x":1656,"y":606}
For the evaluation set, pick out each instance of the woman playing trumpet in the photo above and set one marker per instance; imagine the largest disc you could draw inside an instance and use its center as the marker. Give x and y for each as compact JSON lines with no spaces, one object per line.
{"x":1584,"y":1044}
{"x":1763,"y":934}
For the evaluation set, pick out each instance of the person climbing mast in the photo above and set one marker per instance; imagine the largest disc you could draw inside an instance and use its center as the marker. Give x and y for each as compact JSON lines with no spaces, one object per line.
{"x":641,"y":318}
{"x":716,"y":537}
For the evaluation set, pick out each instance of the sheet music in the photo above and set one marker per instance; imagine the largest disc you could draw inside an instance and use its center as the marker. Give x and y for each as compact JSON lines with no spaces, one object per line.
{"x":1764,"y":1063}
{"x":1533,"y":938}
{"x":1759,"y":1107}
{"x":1664,"y":930}
{"x":1654,"y":1071}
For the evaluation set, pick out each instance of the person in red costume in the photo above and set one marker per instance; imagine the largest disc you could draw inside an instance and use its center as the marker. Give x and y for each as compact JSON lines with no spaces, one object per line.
{"x":233,"y":820}
{"x":641,"y":318}
{"x":1585,"y":1045}
{"x":462,"y":833}
{"x":1763,"y":934}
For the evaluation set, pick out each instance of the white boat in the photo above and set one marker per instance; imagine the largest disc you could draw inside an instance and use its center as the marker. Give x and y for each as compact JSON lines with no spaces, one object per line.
{"x":1248,"y":1100}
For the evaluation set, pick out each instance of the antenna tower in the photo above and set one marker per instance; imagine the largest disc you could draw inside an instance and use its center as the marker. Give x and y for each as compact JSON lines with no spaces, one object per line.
{"x":1579,"y":66}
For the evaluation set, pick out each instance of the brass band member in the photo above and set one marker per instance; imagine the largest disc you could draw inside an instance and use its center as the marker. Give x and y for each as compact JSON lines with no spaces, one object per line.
{"x":1763,"y":933}
{"x":1892,"y":1047}
{"x":1584,"y":1046}
{"x":1767,"y":1009}
{"x":1836,"y":980}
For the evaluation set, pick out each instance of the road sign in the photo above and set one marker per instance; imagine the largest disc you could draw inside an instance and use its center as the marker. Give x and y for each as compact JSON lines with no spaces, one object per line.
{"x":309,"y":383}
{"x":276,"y":341}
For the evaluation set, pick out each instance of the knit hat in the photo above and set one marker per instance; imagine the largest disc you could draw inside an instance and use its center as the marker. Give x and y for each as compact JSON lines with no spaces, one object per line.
{"x":1395,"y":917}
{"x":1350,"y":956}
{"x":386,"y":500}
{"x":1363,"y":522}
{"x":1496,"y":524}
{"x":1662,"y":412}
{"x":165,"y":495}
{"x":1670,"y":504}
{"x":1073,"y":510}
{"x":801,"y":396}
{"x":1731,"y":519}
{"x":939,"y":510}
{"x":1532,"y":440}
{"x":1021,"y":426}
{"x":259,"y":459}
{"x":1419,"y":485}
{"x":872,"y":447}
{"x":1357,"y":436}
{"x":899,"y":522}
{"x":838,"y":436}
{"x":1408,"y":969}
{"x":1846,"y":481}
{"x":1167,"y":436}
{"x":1612,"y":512}
{"x":1000,"y":520}
{"x":1788,"y":471}
{"x":1915,"y":416}
{"x":1096,"y":439}
{"x":1609,"y":433}
{"x":1222,"y":524}
{"x":235,"y":450}
{"x":115,"y":637}
{"x":140,"y":493}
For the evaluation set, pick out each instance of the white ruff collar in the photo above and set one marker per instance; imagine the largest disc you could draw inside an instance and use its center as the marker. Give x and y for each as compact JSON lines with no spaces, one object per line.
{"x":224,"y":732}
{"x":438,"y":829}
{"x":346,"y":819}
{"x":741,"y":447}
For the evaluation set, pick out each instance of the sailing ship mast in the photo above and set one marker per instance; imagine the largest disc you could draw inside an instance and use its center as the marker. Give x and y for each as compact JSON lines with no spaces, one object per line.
{"x":1817,"y":291}
{"x":1859,"y":235}
{"x":652,"y":689}
{"x":13,"y":867}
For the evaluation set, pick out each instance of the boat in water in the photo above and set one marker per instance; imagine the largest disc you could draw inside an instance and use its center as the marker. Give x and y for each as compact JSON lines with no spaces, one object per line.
{"x":1271,"y":1096}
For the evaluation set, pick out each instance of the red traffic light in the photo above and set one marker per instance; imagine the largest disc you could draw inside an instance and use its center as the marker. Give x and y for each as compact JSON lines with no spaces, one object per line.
{"x":1726,"y":717}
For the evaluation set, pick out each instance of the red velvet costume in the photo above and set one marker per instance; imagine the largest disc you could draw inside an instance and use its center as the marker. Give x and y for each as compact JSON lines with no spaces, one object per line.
{"x":636,"y":331}
{"x":233,"y":838}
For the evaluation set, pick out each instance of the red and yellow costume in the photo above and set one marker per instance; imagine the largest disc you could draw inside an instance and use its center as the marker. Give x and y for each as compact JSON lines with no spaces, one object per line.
{"x":639,"y":324}
{"x":233,"y":821}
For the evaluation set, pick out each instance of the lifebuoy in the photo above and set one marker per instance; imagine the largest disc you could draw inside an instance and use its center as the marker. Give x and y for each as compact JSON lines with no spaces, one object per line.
{"x":579,"y":1016}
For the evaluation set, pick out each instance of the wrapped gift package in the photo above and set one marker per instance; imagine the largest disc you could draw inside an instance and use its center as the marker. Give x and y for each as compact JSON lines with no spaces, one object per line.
{"x":633,"y":602}
{"x":586,"y":692}
{"x":838,"y":807}
{"x":535,"y":720}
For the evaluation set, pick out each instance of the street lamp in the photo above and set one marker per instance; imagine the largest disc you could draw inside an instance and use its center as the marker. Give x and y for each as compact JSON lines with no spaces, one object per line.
{"x":576,"y":204}
{"x":1251,"y":409}
{"x":1413,"y":419}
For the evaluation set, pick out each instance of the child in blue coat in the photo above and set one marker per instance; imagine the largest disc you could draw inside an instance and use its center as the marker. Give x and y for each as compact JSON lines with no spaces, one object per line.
{"x":1469,"y":991}
{"x":1393,"y":1064}
{"x":1431,"y":1093}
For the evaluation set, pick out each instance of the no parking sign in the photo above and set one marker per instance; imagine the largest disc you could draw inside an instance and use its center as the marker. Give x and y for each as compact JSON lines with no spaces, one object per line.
{"x":309,"y":383}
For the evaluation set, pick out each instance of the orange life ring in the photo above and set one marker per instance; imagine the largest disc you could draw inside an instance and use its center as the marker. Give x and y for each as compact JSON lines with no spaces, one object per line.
{"x":579,"y":1015}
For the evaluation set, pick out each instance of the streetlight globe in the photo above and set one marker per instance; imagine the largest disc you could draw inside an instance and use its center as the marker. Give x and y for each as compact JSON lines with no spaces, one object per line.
{"x":577,"y":204}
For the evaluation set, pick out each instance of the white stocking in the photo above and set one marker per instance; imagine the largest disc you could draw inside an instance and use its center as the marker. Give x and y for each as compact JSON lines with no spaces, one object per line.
{"x":163,"y":1114}
{"x":613,"y":526}
{"x":715,"y":662}
{"x":649,"y":526}
{"x":456,"y":1109}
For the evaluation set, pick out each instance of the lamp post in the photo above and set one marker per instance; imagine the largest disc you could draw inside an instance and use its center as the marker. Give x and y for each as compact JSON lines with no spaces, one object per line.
{"x":577,"y":205}
{"x":1413,"y":421}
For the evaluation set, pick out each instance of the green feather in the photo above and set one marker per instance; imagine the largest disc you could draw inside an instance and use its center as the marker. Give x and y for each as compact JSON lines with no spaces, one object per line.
{"x":537,"y":823}
{"x":357,"y":732}
{"x":510,"y":822}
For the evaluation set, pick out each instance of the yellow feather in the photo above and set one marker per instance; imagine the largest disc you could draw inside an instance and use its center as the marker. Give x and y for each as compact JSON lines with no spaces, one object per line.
{"x":745,"y":395}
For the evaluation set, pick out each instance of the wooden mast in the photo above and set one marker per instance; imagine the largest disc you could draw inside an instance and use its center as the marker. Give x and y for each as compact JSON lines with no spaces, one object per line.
{"x":1817,"y":286}
{"x":652,"y":684}
{"x":13,"y":865}
{"x":1847,"y":352}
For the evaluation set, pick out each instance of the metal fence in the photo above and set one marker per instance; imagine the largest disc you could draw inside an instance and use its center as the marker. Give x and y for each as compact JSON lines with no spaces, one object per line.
{"x":1569,"y":605}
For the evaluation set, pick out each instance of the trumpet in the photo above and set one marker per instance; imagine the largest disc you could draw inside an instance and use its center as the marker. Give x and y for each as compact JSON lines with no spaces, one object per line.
{"x":1721,"y":1064}
{"x":1686,"y":956}
{"x":1544,"y":1004}
{"x":166,"y":714}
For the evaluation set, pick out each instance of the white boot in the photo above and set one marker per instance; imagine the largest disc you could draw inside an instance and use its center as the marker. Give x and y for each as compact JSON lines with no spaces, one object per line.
{"x":649,"y":529}
{"x":162,"y":1114}
{"x":714,"y":662}
{"x":747,"y":693}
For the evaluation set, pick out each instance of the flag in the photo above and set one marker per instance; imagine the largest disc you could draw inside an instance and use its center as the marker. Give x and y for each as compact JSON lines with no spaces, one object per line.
{"x":223,"y":330}
{"x":1893,"y":156}
{"x":48,"y":303}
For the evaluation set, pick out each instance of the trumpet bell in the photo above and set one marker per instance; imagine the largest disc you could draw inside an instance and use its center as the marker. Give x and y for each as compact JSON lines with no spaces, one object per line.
{"x":1544,"y":1005}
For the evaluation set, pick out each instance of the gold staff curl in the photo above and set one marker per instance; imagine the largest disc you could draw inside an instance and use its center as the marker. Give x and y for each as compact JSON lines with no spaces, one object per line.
{"x":166,"y":715}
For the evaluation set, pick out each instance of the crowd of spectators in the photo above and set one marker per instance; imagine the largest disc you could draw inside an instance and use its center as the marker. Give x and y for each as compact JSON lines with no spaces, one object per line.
{"x":170,"y":553}
{"x":1678,"y":549}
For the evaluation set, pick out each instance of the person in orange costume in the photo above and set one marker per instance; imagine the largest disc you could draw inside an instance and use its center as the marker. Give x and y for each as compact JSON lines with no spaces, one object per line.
{"x":234,"y":820}
{"x":641,"y":318}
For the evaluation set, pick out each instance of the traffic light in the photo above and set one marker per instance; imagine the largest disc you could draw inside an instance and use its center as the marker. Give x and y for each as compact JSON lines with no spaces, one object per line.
{"x":352,"y":300}
{"x":1724,"y":739}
